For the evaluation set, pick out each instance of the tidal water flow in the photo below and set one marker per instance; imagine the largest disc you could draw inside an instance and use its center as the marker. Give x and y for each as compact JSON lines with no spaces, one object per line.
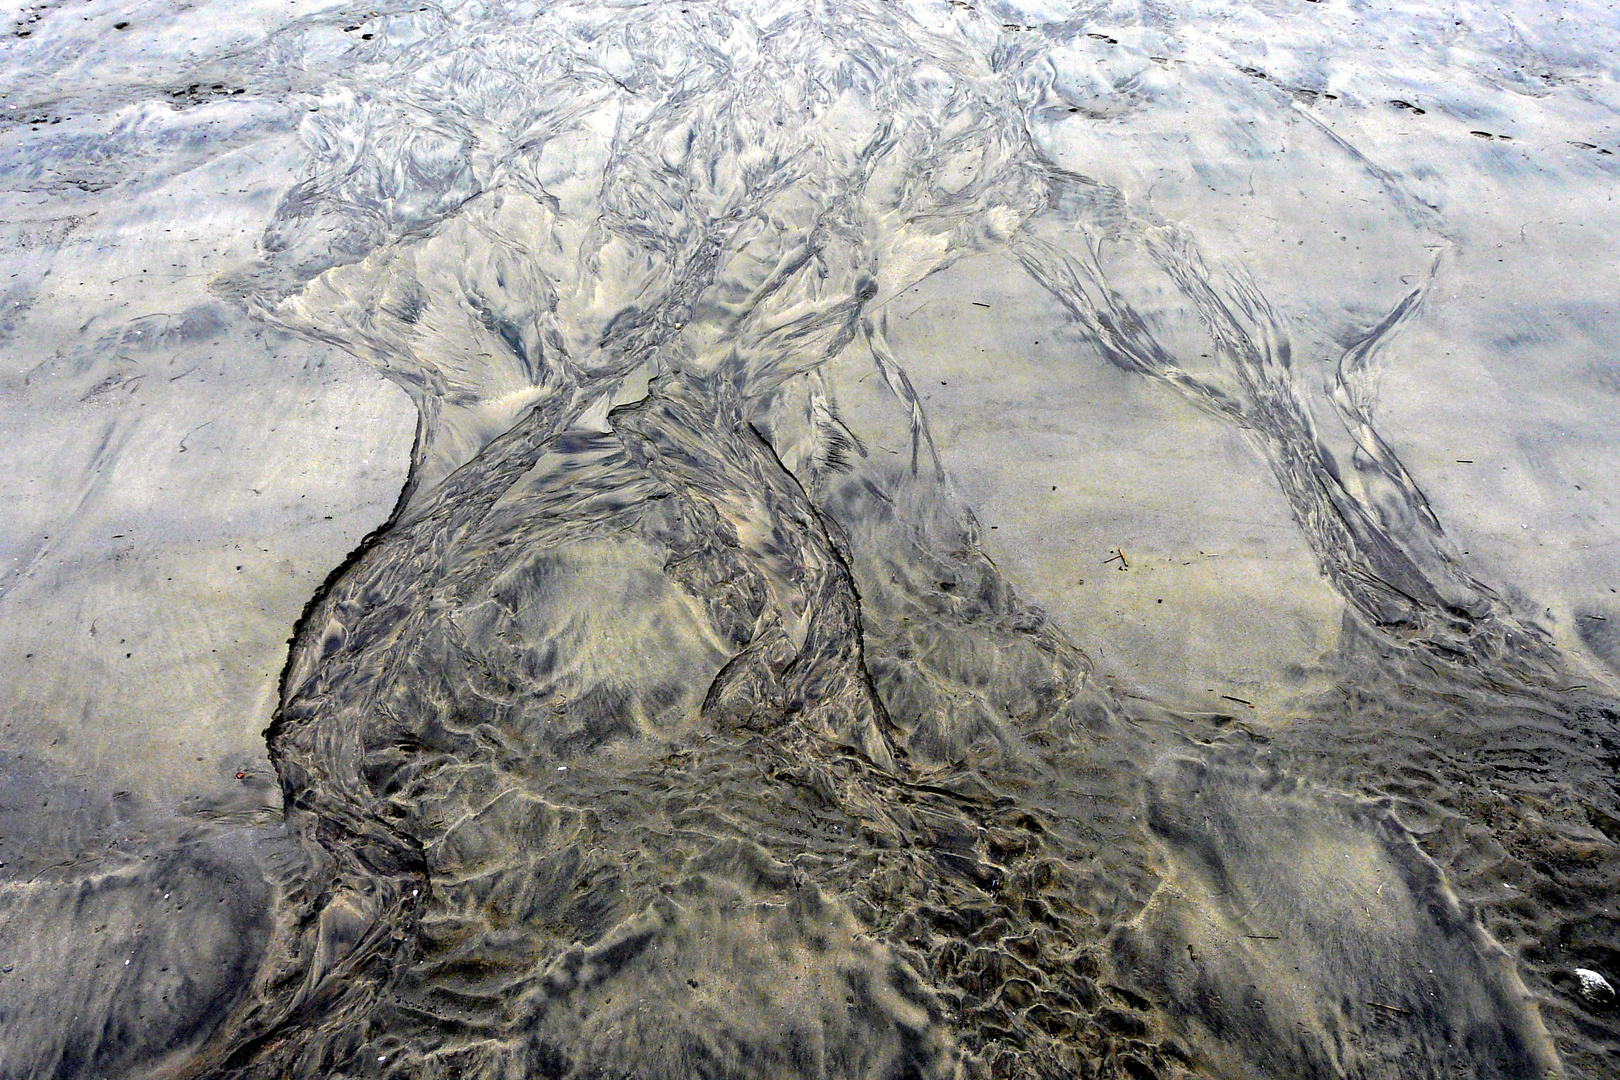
{"x":886,"y":554}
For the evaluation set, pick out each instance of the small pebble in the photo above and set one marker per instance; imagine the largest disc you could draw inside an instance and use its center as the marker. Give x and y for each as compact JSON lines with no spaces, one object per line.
{"x":1594,"y":987}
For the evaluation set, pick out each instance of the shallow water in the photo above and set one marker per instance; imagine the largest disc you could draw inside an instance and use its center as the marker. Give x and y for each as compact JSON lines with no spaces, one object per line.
{"x":848,"y":540}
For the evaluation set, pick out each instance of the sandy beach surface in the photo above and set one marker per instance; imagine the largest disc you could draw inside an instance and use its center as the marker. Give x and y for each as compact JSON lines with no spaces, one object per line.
{"x":862,"y":539}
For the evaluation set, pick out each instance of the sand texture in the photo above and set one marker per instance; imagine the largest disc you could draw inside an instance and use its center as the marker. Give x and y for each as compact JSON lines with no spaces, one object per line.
{"x":855,"y":540}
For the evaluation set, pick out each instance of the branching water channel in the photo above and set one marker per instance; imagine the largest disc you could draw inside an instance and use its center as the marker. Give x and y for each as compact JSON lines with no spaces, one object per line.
{"x":670,"y":728}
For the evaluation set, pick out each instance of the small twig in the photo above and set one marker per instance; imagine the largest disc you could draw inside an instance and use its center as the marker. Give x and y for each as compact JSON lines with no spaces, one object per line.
{"x":1390,"y":1008}
{"x":1240,"y":701}
{"x":190,"y":433}
{"x":1263,"y":937}
{"x":977,"y":304}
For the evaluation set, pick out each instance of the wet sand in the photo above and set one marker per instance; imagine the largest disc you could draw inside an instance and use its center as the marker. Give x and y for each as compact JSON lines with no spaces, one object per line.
{"x":859,"y":540}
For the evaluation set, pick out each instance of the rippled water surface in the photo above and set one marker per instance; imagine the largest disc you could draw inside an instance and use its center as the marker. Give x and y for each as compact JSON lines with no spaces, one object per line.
{"x":854,"y":539}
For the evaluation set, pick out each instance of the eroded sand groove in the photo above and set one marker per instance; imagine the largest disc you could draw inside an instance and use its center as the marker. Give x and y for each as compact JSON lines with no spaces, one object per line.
{"x":601,"y":716}
{"x":679,"y":724}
